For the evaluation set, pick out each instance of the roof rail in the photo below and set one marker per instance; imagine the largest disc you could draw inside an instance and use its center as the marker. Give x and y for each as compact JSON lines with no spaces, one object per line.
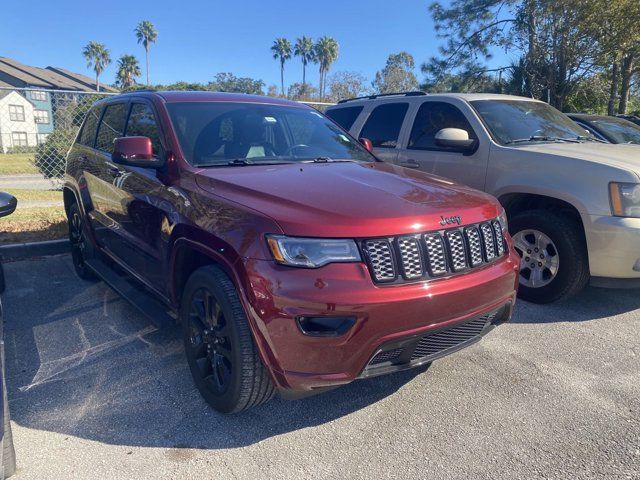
{"x":396,"y":94}
{"x":142,"y":90}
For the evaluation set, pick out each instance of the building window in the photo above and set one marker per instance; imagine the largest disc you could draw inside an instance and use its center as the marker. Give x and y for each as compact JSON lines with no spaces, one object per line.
{"x":16,"y":113}
{"x":39,"y":95}
{"x":41,"y":116}
{"x":19,"y":139}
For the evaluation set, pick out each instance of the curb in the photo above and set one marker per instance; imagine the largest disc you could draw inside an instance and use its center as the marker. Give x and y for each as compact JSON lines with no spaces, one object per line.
{"x":16,"y":251}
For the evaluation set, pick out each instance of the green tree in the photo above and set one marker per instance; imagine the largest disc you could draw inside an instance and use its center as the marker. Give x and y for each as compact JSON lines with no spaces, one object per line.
{"x":615,"y":25}
{"x":302,"y":91}
{"x":326,"y":52}
{"x":397,"y":75}
{"x":228,"y":82}
{"x":551,"y":36}
{"x":304,"y":49}
{"x":98,"y":57}
{"x":281,"y":50}
{"x":128,"y":70}
{"x":343,"y":85}
{"x":146,"y":34}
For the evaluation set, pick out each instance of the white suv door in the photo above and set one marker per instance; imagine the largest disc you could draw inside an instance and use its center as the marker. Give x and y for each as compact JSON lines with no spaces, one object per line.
{"x":420,"y":150}
{"x":383,"y":126}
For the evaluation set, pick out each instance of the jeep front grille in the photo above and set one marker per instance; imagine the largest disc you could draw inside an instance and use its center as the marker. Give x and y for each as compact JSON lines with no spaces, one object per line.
{"x":433,"y":254}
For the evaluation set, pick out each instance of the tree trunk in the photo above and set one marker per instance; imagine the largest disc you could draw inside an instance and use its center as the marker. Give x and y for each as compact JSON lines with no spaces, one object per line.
{"x":611,"y":108}
{"x":97,"y":82}
{"x":530,"y":66}
{"x":304,"y":73}
{"x":627,"y":73}
{"x":320,"y":86}
{"x":146,"y":54}
{"x":282,"y":76}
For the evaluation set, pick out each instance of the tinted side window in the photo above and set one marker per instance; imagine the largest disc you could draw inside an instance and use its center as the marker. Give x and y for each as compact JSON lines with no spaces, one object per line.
{"x":142,"y":123}
{"x":433,"y":117}
{"x":345,"y":117}
{"x":111,"y":126}
{"x":88,"y":135}
{"x":384,"y":123}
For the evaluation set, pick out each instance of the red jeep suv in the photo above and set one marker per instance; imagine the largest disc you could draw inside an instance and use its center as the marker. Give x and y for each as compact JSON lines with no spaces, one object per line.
{"x":294,"y":260}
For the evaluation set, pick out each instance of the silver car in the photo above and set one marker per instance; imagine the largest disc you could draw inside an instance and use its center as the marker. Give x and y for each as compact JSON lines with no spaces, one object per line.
{"x":573,"y":202}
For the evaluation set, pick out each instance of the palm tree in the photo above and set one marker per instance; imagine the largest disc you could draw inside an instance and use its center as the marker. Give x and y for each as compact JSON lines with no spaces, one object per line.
{"x":281,"y":49}
{"x":146,"y":34}
{"x":98,"y":57}
{"x":128,"y":70}
{"x":304,"y":50}
{"x":326,"y":52}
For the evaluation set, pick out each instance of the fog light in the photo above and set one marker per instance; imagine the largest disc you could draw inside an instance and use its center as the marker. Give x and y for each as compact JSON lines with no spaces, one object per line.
{"x":325,"y":326}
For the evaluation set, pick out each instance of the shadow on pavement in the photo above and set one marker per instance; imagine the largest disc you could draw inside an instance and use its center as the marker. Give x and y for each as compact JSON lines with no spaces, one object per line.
{"x":590,"y":304}
{"x":82,"y":362}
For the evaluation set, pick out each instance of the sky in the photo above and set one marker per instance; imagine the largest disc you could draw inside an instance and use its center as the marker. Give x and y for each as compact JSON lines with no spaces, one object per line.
{"x":199,"y":38}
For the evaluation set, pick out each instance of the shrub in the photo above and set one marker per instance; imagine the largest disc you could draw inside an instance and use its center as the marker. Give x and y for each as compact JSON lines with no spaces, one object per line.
{"x":51,"y":155}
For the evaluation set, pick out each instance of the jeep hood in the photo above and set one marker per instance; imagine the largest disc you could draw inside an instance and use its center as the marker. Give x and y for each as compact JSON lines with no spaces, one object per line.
{"x":347,"y":199}
{"x":622,"y":156}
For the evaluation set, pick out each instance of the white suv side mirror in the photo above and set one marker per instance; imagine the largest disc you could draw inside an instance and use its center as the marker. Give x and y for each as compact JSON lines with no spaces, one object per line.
{"x":455,"y":138}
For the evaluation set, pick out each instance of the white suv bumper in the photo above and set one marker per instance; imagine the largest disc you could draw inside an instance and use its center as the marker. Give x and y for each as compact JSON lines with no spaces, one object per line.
{"x":614,"y":247}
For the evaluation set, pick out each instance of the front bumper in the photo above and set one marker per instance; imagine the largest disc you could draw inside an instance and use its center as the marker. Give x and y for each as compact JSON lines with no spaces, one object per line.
{"x":383,"y":314}
{"x":614,"y":247}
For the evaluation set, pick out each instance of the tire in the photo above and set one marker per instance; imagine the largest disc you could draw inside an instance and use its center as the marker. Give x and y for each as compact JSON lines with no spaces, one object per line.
{"x":8,"y":451}
{"x":219,"y":346}
{"x":566,"y":255}
{"x":81,"y":248}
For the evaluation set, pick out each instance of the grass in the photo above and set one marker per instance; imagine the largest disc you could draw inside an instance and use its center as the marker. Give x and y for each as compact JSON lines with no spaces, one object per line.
{"x":16,"y":163}
{"x":35,"y":195}
{"x":35,"y":222}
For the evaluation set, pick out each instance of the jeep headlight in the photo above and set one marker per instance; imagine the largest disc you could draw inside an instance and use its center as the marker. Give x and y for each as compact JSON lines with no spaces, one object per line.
{"x":312,"y":252}
{"x":625,"y":199}
{"x":503,"y":220}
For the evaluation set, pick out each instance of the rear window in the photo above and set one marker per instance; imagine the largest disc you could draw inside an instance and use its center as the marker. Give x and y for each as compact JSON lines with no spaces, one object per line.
{"x":345,"y":117}
{"x":88,"y":135}
{"x":111,"y":126}
{"x":384,"y":123}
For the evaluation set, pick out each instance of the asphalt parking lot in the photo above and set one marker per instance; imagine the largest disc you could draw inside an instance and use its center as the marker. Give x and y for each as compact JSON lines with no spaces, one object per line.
{"x":96,"y":391}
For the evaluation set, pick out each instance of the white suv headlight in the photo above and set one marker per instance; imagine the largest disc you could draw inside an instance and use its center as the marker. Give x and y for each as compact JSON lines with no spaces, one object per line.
{"x":312,"y":252}
{"x":625,"y":199}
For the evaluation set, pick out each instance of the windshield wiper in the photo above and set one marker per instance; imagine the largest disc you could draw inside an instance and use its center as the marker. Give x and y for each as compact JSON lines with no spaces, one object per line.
{"x":589,"y":139}
{"x":542,"y":138}
{"x":239,"y":161}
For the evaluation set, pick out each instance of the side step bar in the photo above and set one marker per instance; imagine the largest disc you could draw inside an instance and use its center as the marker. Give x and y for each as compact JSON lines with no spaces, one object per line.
{"x":137,"y":295}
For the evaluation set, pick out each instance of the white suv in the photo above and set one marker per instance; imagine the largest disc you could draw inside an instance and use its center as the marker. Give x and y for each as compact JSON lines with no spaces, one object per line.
{"x":573,"y":202}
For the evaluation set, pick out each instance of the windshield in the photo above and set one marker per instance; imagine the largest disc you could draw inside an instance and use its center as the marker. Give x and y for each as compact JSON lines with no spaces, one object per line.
{"x":514,"y":121}
{"x":219,"y":133}
{"x":620,"y":130}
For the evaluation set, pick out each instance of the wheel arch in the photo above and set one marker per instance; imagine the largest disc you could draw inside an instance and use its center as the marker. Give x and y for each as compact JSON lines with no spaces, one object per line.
{"x":187,"y":255}
{"x":518,"y":202}
{"x":69,"y":197}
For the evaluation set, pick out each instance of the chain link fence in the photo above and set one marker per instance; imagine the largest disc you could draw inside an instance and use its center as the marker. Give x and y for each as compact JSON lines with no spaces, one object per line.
{"x":37,"y":128}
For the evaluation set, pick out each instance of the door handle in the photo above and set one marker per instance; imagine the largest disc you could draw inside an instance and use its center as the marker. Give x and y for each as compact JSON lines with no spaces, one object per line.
{"x":411,"y":163}
{"x":115,"y":172}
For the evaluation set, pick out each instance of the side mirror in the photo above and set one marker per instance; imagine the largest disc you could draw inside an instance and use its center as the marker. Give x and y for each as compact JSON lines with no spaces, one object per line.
{"x":366,"y":143}
{"x":8,"y":204}
{"x":135,"y":152}
{"x":455,"y":138}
